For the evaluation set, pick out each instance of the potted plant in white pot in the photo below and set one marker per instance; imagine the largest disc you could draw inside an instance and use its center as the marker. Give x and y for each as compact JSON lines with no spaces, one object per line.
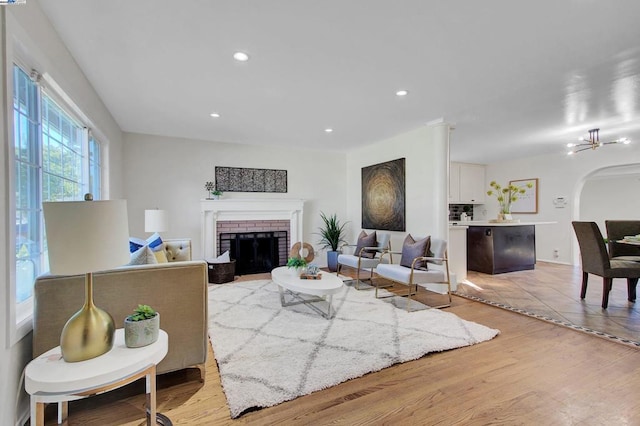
{"x":214,"y":193}
{"x":296,"y":264}
{"x":332,"y":234}
{"x":142,"y":327}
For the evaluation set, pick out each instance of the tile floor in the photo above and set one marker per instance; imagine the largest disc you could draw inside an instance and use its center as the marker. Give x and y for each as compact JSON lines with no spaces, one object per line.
{"x":553,"y":290}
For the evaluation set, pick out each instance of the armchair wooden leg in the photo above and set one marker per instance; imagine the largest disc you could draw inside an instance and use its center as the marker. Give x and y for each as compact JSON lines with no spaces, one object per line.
{"x":631,"y":289}
{"x":607,"y":283}
{"x":585,"y":278}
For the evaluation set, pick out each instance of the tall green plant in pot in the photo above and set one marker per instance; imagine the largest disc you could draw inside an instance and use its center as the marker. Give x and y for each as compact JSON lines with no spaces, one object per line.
{"x":332,"y":234}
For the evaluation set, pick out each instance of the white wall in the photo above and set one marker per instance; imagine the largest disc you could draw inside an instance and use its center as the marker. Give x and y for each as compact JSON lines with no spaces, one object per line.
{"x":426,"y":167}
{"x":559,"y":175}
{"x":170,"y":173}
{"x":610,"y":198}
{"x":27,"y":34}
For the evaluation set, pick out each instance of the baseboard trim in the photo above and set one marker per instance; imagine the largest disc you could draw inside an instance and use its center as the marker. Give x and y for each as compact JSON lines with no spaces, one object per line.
{"x":23,"y":419}
{"x":557,"y":262}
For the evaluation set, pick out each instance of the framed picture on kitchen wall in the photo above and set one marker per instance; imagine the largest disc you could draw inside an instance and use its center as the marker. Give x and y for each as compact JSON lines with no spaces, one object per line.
{"x":527,"y":203}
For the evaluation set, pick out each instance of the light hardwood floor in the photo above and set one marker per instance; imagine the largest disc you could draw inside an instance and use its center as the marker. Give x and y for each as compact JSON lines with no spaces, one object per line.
{"x":534,"y":372}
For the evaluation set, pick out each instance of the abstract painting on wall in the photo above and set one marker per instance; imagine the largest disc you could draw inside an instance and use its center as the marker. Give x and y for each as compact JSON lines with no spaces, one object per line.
{"x":240,"y":179}
{"x":383,"y":196}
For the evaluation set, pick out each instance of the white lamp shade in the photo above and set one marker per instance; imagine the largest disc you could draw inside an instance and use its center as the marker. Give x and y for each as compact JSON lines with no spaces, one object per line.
{"x":156,"y":220}
{"x":86,"y":236}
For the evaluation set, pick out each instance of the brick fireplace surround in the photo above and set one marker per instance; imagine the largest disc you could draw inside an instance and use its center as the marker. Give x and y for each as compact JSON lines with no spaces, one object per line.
{"x":252,"y":215}
{"x":241,"y":226}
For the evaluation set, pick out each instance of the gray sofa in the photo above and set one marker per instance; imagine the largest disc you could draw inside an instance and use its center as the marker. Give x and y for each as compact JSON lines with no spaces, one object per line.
{"x":178,"y":290}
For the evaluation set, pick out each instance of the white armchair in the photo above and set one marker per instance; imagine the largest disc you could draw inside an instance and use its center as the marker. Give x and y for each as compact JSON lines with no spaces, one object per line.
{"x":430,"y":272}
{"x":367,"y":254}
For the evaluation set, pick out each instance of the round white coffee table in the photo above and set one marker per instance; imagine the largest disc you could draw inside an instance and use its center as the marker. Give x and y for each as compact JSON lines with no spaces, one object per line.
{"x":324,"y":288}
{"x":49,"y":378}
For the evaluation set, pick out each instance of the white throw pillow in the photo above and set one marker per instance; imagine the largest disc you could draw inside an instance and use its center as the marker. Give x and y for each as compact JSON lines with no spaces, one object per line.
{"x":223,"y":258}
{"x":143,"y":256}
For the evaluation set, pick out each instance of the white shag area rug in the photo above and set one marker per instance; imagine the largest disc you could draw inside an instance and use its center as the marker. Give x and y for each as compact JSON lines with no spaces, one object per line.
{"x":268,"y":354}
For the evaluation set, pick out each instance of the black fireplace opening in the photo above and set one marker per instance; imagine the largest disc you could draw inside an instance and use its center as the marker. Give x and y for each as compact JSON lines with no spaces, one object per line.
{"x":254,"y":252}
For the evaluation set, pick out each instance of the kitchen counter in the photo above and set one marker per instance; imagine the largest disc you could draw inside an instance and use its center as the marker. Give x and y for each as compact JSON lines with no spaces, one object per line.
{"x":495,"y":248}
{"x":487,"y":223}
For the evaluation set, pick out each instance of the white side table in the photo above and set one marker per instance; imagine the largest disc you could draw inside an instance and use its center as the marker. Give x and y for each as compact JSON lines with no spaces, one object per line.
{"x":49,"y":378}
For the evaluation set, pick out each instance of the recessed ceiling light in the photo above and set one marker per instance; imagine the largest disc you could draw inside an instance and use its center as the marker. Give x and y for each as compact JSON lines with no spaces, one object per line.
{"x":328,"y":130}
{"x":215,"y":115}
{"x":240,"y":56}
{"x":402,"y":93}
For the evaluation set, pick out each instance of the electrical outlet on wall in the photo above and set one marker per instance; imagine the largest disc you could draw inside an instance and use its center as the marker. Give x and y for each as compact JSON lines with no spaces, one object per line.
{"x":556,"y":253}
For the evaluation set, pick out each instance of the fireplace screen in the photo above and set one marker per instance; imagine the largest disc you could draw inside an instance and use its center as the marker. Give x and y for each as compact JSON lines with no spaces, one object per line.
{"x":254,"y":252}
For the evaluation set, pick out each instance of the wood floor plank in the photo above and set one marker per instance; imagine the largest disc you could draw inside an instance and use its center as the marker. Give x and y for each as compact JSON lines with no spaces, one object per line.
{"x":534,"y":372}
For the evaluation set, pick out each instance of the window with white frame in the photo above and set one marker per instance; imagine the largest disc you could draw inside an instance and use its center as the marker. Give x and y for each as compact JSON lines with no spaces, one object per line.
{"x":55,"y":159}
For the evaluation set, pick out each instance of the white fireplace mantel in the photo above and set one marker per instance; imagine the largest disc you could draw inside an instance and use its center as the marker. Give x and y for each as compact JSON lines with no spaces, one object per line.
{"x":213,"y":211}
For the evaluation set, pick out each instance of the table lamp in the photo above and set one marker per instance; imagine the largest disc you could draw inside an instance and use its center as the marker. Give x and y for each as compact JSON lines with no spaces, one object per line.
{"x":84,"y":237}
{"x":156,"y":220}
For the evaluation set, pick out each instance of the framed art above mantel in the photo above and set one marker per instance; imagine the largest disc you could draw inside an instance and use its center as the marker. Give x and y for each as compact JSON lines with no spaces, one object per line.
{"x":242,"y":179}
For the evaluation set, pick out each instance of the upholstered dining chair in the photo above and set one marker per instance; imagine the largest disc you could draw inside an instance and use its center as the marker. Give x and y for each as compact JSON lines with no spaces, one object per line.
{"x":367,"y":254}
{"x":616,"y":231}
{"x":595,"y":260}
{"x":422,"y":264}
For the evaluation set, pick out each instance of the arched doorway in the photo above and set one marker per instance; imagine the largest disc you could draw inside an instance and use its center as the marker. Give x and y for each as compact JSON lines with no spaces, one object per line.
{"x":608,"y":193}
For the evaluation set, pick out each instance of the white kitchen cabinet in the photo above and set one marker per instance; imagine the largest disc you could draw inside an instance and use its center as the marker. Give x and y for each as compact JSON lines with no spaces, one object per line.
{"x":466,"y":183}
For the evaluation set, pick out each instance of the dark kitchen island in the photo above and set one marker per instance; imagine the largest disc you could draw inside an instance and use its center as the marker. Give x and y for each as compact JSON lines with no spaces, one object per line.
{"x":495,"y":248}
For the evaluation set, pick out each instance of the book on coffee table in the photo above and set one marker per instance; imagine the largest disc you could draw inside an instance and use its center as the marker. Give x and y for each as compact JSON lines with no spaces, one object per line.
{"x":310,"y":277}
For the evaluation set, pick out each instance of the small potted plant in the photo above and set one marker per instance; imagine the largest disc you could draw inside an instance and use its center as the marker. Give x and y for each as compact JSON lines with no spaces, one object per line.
{"x":142,"y":327}
{"x":211,"y":189}
{"x":296,"y":264}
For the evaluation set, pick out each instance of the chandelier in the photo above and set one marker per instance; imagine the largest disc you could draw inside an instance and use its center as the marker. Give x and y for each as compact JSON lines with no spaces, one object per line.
{"x":592,"y":142}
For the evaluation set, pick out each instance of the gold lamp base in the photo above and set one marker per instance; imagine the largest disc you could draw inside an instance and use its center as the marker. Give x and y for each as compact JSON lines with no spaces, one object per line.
{"x":89,"y":332}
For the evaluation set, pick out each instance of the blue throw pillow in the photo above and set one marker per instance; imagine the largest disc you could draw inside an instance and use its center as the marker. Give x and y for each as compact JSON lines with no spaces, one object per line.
{"x":135,"y":244}
{"x":154,"y":243}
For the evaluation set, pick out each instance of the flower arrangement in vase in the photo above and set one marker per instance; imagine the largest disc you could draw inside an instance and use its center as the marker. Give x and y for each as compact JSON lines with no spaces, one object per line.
{"x":505,"y":196}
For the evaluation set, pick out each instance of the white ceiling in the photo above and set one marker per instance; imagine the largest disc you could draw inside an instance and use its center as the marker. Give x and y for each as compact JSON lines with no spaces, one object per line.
{"x":516,"y":78}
